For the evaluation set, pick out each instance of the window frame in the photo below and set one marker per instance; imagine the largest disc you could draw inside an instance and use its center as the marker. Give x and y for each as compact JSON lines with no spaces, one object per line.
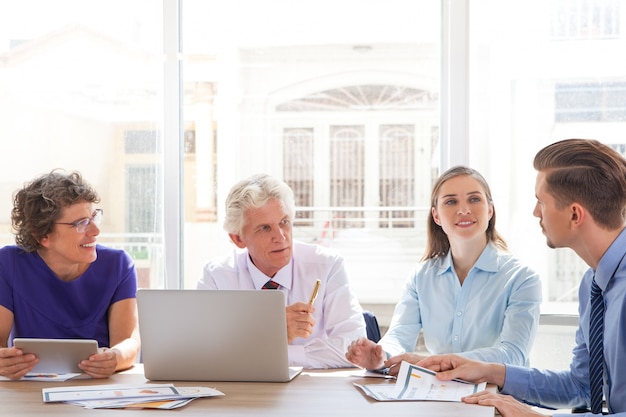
{"x":173,"y":145}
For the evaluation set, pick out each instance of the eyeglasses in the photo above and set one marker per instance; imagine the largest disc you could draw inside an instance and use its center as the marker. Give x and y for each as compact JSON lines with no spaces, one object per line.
{"x":82,"y":224}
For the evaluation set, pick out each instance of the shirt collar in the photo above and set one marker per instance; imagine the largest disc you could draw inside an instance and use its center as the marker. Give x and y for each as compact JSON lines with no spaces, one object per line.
{"x":487,"y":261}
{"x":284,"y":276}
{"x":611,"y":260}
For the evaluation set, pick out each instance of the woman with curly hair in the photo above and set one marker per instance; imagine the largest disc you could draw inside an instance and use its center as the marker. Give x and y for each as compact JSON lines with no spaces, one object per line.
{"x":57,"y":282}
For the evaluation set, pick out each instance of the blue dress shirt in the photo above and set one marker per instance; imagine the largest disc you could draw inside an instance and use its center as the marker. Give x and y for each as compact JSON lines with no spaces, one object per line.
{"x":570,"y":388}
{"x":492,"y":317}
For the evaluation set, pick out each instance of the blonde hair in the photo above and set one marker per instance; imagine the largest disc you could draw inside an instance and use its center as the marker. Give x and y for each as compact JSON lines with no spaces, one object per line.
{"x":438,"y":244}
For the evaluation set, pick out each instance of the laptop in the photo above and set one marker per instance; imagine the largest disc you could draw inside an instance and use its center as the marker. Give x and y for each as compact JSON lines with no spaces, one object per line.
{"x":206,"y":335}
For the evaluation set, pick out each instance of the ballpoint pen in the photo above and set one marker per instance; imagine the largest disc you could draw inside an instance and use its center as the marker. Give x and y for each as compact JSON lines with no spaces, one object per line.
{"x":315,"y":291}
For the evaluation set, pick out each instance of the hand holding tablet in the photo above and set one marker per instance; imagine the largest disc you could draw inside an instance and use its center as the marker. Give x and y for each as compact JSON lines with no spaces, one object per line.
{"x":57,"y":355}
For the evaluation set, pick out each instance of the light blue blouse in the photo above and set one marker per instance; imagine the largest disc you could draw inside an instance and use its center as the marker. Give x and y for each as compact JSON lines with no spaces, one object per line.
{"x":492,"y":317}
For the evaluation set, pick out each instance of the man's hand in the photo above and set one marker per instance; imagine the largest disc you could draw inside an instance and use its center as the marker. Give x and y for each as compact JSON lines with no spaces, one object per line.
{"x":366,"y":354}
{"x":300,"y":321}
{"x":507,"y":406}
{"x":453,"y":366}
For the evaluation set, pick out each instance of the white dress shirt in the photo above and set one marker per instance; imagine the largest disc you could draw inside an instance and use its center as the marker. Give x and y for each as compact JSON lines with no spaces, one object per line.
{"x":338,"y":314}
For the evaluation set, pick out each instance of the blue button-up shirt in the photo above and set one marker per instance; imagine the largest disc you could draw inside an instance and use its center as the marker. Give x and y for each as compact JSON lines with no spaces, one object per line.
{"x":569,"y":388}
{"x":493,"y":316}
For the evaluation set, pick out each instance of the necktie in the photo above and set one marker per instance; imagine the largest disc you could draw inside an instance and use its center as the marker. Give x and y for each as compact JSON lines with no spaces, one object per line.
{"x":596,"y":348}
{"x":270,"y":285}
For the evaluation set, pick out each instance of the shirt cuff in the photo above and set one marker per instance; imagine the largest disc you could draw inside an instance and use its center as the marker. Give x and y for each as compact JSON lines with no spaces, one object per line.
{"x":297,"y":356}
{"x":515,"y":380}
{"x":391,"y":349}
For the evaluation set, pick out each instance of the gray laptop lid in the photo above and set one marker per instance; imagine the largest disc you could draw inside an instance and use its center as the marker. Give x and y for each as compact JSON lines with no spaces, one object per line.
{"x":203,"y":335}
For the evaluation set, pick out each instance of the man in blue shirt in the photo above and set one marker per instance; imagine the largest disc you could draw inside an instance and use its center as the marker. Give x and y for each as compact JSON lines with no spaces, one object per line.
{"x":581,"y":203}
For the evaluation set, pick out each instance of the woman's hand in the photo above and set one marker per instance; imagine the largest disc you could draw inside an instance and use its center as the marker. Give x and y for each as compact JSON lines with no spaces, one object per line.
{"x":14,"y":364}
{"x":101,"y":365}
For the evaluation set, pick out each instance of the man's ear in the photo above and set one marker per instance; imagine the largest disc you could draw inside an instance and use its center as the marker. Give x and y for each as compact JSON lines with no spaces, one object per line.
{"x":236,"y":239}
{"x":577,"y":214}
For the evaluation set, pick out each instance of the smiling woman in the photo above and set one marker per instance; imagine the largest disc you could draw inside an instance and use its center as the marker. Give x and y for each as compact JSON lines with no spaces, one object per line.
{"x":469,"y":295}
{"x":69,"y":251}
{"x":82,"y":290}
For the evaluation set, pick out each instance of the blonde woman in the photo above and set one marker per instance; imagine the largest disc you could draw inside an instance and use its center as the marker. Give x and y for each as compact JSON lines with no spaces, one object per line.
{"x":468,"y":295}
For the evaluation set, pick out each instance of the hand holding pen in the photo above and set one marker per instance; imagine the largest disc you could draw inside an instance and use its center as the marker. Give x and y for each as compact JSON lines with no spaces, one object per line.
{"x":300,"y":319}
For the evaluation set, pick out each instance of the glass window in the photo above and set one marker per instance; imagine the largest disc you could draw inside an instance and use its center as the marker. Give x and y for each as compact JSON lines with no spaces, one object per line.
{"x":340,"y":100}
{"x":590,"y":101}
{"x":584,"y":19}
{"x":397,"y":167}
{"x":81,"y":89}
{"x":298,"y":168}
{"x":541,"y":72}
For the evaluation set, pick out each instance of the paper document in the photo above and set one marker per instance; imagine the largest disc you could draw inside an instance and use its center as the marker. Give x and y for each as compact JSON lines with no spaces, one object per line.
{"x":363,"y":373}
{"x":48,"y":377}
{"x":415,"y":383}
{"x":162,"y":396}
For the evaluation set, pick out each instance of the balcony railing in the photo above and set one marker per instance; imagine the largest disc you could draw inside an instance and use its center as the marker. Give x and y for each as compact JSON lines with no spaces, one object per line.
{"x":380,"y":246}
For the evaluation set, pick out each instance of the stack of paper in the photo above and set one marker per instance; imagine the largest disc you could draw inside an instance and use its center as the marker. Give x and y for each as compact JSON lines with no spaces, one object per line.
{"x":161,"y":396}
{"x":415,"y":383}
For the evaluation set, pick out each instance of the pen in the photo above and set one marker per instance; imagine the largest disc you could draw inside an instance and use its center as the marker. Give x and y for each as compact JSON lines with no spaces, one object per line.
{"x":315,"y":291}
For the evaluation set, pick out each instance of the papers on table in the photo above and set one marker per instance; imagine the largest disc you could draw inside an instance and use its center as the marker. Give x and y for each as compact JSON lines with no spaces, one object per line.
{"x":161,"y":396}
{"x":363,"y":373}
{"x":415,"y":383}
{"x":48,"y":377}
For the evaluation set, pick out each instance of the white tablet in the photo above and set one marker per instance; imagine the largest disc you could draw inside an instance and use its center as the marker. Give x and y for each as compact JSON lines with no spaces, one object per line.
{"x":58,"y":356}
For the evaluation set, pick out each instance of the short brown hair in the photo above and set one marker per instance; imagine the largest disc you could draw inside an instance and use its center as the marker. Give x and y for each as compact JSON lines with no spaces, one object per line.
{"x":587,"y":172}
{"x":38,"y":205}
